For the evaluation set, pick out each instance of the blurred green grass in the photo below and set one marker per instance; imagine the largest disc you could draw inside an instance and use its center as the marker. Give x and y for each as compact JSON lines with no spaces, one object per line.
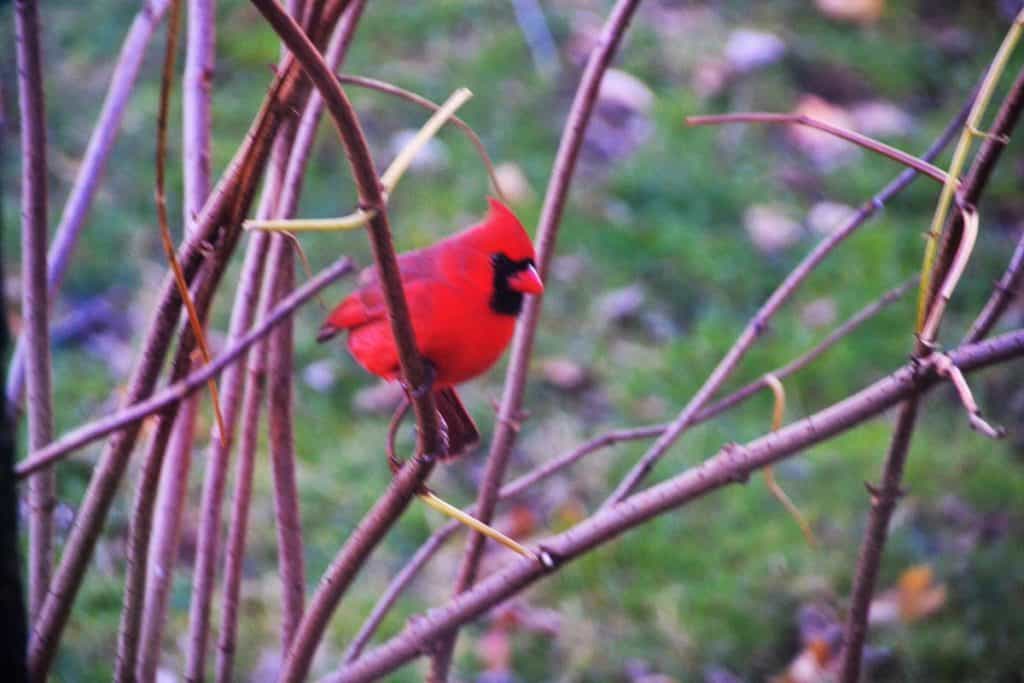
{"x":721,"y":581}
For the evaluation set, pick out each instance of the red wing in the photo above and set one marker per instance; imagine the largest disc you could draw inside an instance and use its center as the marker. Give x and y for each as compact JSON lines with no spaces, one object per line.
{"x":366,"y":304}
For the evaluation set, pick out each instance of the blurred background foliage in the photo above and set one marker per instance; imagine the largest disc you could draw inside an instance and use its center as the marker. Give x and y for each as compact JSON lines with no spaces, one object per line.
{"x":672,"y":239}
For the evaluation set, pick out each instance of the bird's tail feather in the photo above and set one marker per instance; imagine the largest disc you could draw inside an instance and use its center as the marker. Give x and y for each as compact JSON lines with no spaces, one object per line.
{"x":458,"y":426}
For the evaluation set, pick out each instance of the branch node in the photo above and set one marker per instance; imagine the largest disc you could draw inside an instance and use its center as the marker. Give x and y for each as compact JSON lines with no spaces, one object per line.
{"x":945,"y":367}
{"x":548,"y":559}
{"x":1001,"y":138}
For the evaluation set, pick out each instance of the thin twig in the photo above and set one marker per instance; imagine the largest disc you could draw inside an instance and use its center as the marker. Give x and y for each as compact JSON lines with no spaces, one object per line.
{"x":180,"y":390}
{"x":897,"y":155}
{"x":965,"y":248}
{"x":34,"y":298}
{"x":838,"y":334}
{"x":1002,"y":294}
{"x":90,"y":171}
{"x":963,"y":147}
{"x":235,"y":552}
{"x":758,"y":323}
{"x":163,"y":550}
{"x":166,"y":81}
{"x":233,"y":386}
{"x":945,"y":367}
{"x":733,"y":464}
{"x":196,"y":106}
{"x":287,"y":521}
{"x":522,"y":343}
{"x":778,"y":411}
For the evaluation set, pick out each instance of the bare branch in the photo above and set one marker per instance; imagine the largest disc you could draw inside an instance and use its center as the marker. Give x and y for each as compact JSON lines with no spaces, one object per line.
{"x":291,"y":564}
{"x":884,"y":498}
{"x":522,"y":343}
{"x":163,"y":550}
{"x":34,"y":296}
{"x":733,"y":464}
{"x":409,"y":479}
{"x":90,"y":171}
{"x":757,"y":324}
{"x":196,"y":90}
{"x":235,"y":553}
{"x":897,"y":155}
{"x":408,"y":96}
{"x":1002,"y":294}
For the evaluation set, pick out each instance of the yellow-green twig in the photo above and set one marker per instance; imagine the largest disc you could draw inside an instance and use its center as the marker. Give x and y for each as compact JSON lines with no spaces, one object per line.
{"x":389,"y":180}
{"x":956,"y":270}
{"x":778,"y":411}
{"x":956,"y":165}
{"x":473,"y":523}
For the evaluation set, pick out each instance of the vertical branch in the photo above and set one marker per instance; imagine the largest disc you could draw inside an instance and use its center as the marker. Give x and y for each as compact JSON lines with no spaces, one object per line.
{"x":196,"y":87}
{"x":235,"y":553}
{"x":233,"y":386}
{"x":883,"y":503}
{"x":885,"y":497}
{"x":90,"y":172}
{"x":34,"y":298}
{"x":282,"y":446}
{"x":410,"y":478}
{"x":163,"y":549}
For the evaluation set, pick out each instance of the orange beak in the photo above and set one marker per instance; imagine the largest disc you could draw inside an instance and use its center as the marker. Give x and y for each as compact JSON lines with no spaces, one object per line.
{"x":526,"y":281}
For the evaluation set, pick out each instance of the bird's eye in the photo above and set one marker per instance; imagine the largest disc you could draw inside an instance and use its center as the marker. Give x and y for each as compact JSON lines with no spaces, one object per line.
{"x":499,"y":259}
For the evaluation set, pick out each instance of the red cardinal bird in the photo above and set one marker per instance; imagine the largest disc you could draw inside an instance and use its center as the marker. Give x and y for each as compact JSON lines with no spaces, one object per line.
{"x":464,"y":294}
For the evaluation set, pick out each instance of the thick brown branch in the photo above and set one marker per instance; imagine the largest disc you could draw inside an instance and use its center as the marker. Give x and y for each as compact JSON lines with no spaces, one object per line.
{"x":733,"y":464}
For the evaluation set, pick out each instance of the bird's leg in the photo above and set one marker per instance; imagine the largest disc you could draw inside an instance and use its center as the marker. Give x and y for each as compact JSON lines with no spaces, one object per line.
{"x":429,"y":375}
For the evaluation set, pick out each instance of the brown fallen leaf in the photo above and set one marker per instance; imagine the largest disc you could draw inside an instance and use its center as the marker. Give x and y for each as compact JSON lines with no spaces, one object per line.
{"x":855,"y":11}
